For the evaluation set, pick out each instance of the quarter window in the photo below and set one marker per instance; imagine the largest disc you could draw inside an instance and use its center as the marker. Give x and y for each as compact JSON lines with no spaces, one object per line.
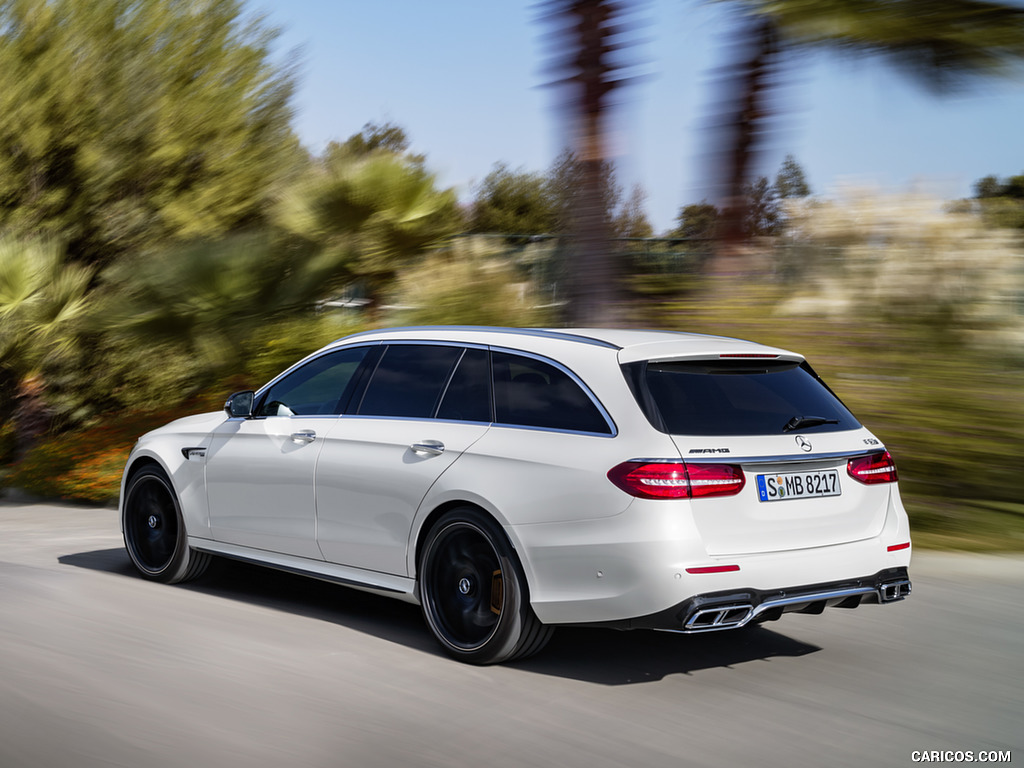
{"x":409,"y":380}
{"x":532,"y":393}
{"x":320,"y":387}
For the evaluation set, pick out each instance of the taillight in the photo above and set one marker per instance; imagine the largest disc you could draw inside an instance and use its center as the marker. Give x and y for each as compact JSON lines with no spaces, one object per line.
{"x":873,"y":469}
{"x":676,"y":480}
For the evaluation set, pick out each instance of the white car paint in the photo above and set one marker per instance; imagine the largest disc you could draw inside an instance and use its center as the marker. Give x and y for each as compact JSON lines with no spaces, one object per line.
{"x":351,"y":503}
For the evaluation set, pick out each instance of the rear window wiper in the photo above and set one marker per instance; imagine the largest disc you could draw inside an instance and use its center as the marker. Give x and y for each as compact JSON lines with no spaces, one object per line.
{"x":799,"y":422}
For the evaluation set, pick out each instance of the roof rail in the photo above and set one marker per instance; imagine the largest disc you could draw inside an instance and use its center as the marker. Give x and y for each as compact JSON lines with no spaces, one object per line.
{"x":537,"y":332}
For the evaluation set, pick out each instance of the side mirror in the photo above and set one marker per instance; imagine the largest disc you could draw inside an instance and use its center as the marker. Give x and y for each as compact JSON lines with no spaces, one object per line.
{"x":239,"y":405}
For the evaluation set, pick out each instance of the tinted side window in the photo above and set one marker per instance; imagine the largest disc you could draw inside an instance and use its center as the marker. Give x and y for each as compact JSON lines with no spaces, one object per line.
{"x":468,"y":397}
{"x":409,"y":380}
{"x":321,"y":386}
{"x":532,"y":393}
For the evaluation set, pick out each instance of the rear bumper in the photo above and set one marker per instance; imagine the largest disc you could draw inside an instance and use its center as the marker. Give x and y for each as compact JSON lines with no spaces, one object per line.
{"x":732,"y":609}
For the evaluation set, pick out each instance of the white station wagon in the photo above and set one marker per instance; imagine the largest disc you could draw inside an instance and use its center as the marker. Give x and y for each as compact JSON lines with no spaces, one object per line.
{"x":510,"y":480}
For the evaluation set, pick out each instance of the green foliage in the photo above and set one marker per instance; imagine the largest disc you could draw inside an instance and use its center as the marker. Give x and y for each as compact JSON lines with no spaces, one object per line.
{"x":127,"y":122}
{"x":205,"y":299}
{"x":470,"y":283}
{"x":42,"y":302}
{"x":522,"y":202}
{"x":513,"y":203}
{"x":86,"y":465}
{"x":1001,"y":201}
{"x":275,"y":346}
{"x":367,"y":217}
{"x":696,"y":221}
{"x":631,"y":221}
{"x":566,"y":182}
{"x":762,"y":216}
{"x":790,"y":181}
{"x":374,"y":137}
{"x":944,"y":45}
{"x":992,"y":186}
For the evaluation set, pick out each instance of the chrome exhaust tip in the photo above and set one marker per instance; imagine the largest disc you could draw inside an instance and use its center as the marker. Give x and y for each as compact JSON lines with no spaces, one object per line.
{"x":719,"y":617}
{"x":893,"y":591}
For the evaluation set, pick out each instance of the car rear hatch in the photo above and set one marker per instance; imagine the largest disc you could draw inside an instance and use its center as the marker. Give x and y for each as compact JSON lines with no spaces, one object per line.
{"x":812,"y":475}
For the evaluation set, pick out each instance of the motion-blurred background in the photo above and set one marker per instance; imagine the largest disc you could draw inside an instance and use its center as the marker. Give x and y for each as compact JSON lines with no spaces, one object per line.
{"x":174,"y":225}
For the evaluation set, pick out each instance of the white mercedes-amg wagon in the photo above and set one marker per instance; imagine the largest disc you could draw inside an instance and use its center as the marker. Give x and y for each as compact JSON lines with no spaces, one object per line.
{"x":510,"y":480}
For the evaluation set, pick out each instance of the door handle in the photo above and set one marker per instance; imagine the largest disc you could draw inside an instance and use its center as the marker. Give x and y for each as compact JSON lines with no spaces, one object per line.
{"x":303,"y":436}
{"x":429,"y":447}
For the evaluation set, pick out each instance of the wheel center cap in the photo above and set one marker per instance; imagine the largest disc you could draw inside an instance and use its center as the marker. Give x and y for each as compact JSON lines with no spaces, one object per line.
{"x":465,"y":585}
{"x":154,"y":521}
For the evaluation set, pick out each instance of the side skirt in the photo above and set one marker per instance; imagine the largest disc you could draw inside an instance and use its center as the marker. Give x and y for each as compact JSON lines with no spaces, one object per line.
{"x":385,"y":584}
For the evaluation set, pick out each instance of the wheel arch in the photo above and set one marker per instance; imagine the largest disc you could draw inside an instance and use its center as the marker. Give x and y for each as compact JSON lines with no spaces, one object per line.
{"x":136,"y":463}
{"x":430,"y":520}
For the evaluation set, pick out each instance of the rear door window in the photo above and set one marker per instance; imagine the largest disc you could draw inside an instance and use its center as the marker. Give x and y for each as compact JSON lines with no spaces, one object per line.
{"x":409,"y":380}
{"x":714,"y":397}
{"x":532,"y":393}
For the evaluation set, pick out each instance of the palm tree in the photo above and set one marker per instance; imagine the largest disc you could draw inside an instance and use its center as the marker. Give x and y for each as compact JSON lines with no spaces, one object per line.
{"x":943,"y":44}
{"x":366,"y":216}
{"x":42,"y":303}
{"x":589,"y":33}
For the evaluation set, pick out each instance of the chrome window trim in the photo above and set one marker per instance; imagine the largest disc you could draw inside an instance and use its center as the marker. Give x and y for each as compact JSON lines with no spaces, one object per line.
{"x":556,"y":430}
{"x":418,"y":419}
{"x":579,"y":382}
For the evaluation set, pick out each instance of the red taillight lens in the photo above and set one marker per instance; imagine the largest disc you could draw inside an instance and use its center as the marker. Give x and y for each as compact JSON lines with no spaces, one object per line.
{"x":873,"y":469}
{"x":676,"y":480}
{"x":715,"y":479}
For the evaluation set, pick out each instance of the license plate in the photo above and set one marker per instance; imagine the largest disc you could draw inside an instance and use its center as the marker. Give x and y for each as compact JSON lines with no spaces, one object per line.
{"x":798,"y":485}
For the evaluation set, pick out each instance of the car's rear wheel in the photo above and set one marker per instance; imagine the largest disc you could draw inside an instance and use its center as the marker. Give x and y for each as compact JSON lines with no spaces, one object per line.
{"x":473,"y":591}
{"x":154,"y":530}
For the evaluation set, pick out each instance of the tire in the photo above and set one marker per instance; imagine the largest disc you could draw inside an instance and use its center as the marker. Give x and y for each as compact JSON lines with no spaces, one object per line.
{"x":154,"y":530}
{"x":473,"y":591}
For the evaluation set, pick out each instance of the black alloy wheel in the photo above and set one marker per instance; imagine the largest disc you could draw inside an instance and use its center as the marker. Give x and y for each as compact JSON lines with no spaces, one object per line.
{"x":473,"y":592}
{"x":154,"y":530}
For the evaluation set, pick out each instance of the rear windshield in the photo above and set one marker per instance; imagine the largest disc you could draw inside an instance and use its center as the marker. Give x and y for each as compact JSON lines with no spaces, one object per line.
{"x":741,"y":397}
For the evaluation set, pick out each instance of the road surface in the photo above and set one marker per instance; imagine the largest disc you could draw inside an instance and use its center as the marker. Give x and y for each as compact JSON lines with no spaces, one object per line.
{"x":255,"y":668}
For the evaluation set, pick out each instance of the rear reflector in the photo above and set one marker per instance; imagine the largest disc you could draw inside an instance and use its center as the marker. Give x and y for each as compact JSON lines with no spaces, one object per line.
{"x":898,"y":547}
{"x":676,"y":479}
{"x":714,"y":569}
{"x":873,"y":469}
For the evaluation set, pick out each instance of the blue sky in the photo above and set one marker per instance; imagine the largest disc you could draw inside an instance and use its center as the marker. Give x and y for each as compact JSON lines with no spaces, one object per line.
{"x":464,"y":78}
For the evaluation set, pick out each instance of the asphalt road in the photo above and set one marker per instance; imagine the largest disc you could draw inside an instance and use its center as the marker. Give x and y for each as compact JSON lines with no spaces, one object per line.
{"x":254,"y":668}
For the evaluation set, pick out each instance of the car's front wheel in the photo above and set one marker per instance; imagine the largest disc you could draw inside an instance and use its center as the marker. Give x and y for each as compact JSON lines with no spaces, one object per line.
{"x":154,"y":530}
{"x":473,"y":591}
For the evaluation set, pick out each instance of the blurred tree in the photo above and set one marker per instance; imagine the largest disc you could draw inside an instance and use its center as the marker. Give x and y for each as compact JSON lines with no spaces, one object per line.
{"x":631,"y":219}
{"x":1001,"y":202}
{"x":126,"y":122}
{"x":42,"y":304}
{"x":762,"y":215}
{"x":790,"y":180}
{"x":942,"y":43}
{"x":388,"y":137}
{"x":1014,"y":187}
{"x":589,"y":33}
{"x":565,"y":181}
{"x":366,"y":217}
{"x":696,"y":221}
{"x":513,"y":203}
{"x":988,"y":186}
